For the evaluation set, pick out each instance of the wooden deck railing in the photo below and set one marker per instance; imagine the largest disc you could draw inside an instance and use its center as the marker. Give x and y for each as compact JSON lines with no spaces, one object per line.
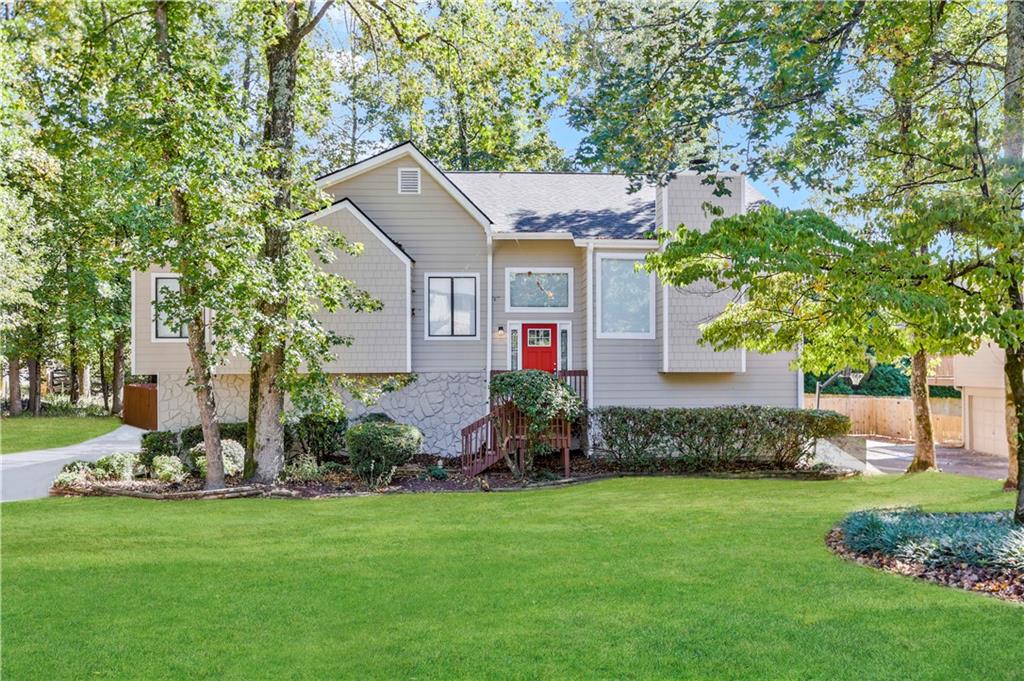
{"x":503,"y":431}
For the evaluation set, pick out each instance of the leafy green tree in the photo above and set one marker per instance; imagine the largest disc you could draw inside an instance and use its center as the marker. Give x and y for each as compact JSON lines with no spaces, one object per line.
{"x":289,"y":286}
{"x":837,"y":97}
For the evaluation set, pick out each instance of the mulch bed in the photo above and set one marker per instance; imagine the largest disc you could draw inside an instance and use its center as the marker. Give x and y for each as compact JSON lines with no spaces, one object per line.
{"x":415,"y":478}
{"x":1004,"y":584}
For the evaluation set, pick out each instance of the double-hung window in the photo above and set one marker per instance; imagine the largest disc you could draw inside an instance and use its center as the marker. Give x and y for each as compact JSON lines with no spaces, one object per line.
{"x":163,"y":330}
{"x":625,"y":297}
{"x":452,"y":304}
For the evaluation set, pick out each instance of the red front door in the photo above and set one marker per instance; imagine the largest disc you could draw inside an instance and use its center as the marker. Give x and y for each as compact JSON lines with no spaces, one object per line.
{"x":540,"y":346}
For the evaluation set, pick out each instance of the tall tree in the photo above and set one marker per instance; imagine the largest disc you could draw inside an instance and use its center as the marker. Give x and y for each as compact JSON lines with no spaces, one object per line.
{"x":291,"y":285}
{"x":834,"y":97}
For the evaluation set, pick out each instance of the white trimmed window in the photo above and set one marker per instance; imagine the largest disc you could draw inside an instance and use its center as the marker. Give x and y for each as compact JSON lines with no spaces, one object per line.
{"x":528,"y":289}
{"x":408,"y":180}
{"x":452,"y":305}
{"x":163,"y":330}
{"x":625,"y":298}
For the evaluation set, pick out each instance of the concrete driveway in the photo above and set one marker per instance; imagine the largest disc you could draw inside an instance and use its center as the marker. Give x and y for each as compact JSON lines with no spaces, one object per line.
{"x":27,"y":475}
{"x":892,"y":456}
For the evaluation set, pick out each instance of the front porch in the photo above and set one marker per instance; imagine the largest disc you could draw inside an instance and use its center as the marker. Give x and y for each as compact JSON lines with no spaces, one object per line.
{"x":503,"y":431}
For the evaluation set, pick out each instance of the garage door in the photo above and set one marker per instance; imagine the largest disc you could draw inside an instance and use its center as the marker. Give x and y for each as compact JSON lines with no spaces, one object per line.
{"x":988,"y":425}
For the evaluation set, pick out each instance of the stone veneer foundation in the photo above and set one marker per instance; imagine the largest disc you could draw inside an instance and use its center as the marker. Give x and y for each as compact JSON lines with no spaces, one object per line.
{"x":439,"y":404}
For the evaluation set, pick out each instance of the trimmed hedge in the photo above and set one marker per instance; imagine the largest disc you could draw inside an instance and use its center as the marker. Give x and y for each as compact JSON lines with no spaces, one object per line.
{"x":376,"y":447}
{"x":714,"y":438}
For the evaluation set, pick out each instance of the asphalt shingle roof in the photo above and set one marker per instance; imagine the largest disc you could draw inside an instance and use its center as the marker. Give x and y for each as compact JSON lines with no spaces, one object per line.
{"x":588,"y":205}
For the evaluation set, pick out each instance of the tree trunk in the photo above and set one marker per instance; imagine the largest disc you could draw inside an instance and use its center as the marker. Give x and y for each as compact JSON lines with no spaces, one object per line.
{"x":117,"y":380}
{"x":201,"y":374}
{"x":282,"y":56}
{"x":249,"y":469}
{"x":268,"y":452}
{"x":1013,"y":148}
{"x":202,"y":378}
{"x":1012,"y":473}
{"x":14,"y":378}
{"x":73,"y":366}
{"x":1015,"y":377}
{"x":279,"y":135}
{"x":924,"y":444}
{"x":35,"y":401}
{"x":104,"y":386}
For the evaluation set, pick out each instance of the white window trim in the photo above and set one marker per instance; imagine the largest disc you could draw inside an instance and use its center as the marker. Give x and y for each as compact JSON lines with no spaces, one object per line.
{"x":517,"y":324}
{"x":623,"y":335}
{"x":426,"y":305}
{"x":419,"y":181}
{"x":511,"y":271}
{"x":153,"y":276}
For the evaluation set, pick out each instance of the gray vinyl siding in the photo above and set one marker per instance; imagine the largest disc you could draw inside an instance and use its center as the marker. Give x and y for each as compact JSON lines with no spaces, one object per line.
{"x":152,"y":357}
{"x":441,"y":236}
{"x":543,"y":253}
{"x":688,"y":309}
{"x":628,"y":372}
{"x":378,"y":338}
{"x":681,"y":202}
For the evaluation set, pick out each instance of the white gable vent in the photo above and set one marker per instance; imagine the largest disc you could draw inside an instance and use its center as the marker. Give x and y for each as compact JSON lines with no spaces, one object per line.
{"x":408,"y":180}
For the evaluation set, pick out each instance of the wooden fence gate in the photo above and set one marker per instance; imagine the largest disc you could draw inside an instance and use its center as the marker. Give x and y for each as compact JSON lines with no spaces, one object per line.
{"x":140,"y":405}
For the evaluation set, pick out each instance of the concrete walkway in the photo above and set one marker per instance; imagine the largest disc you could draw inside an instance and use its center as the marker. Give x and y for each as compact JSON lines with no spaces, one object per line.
{"x":27,"y":475}
{"x":892,"y":456}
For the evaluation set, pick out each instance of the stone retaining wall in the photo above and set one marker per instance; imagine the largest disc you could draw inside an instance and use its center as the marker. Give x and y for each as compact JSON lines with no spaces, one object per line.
{"x":439,"y":404}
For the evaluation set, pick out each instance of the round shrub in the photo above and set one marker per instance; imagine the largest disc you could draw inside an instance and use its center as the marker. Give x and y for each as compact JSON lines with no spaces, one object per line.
{"x":375,"y":417}
{"x":332,"y":468}
{"x":118,"y":466}
{"x":158,"y":443}
{"x":321,"y":437}
{"x":168,"y":469}
{"x":232,"y":454}
{"x":376,"y":447}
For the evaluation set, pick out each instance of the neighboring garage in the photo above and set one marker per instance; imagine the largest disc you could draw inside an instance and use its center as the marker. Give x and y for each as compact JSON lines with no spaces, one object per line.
{"x":980,"y":379}
{"x":985,"y":424}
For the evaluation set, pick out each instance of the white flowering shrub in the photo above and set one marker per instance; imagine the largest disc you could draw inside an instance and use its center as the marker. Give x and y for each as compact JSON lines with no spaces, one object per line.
{"x":74,"y":474}
{"x":232,"y":453}
{"x":117,"y":466}
{"x":168,"y":469}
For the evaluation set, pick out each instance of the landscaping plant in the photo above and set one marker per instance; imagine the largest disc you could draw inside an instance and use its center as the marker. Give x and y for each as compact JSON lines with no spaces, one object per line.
{"x":168,"y":469}
{"x":233,"y":453}
{"x":118,"y":466}
{"x":542,"y":397}
{"x":937,"y":539}
{"x":160,"y":443}
{"x":714,"y":438}
{"x":376,"y":449}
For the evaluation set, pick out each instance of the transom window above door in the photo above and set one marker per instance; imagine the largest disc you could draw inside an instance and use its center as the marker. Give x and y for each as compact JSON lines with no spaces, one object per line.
{"x":538,"y":288}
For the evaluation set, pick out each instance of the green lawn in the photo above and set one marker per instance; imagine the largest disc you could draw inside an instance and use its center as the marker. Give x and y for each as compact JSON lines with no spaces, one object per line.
{"x":25,"y":433}
{"x":630,"y":578}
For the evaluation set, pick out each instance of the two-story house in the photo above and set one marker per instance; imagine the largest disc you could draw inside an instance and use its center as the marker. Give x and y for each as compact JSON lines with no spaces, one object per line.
{"x":486,"y":271}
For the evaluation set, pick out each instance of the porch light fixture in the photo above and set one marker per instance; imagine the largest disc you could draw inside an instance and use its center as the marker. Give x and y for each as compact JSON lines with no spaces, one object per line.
{"x":501,"y":332}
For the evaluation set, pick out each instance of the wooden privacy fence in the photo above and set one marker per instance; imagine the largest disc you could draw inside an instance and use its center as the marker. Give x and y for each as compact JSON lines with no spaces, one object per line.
{"x":894,"y":416}
{"x":140,"y":405}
